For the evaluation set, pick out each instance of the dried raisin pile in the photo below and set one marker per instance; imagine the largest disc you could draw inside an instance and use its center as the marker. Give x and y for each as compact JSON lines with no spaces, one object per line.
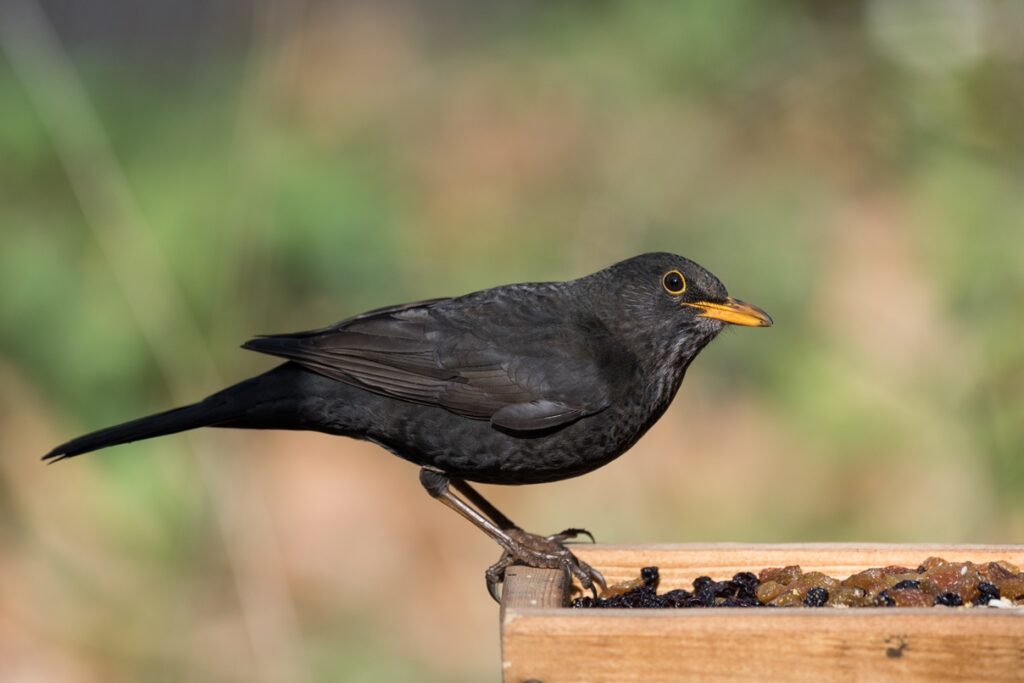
{"x":935,"y":582}
{"x":737,"y":592}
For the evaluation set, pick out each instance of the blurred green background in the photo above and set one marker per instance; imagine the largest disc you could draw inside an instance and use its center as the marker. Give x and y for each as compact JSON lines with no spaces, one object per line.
{"x":176,"y":177}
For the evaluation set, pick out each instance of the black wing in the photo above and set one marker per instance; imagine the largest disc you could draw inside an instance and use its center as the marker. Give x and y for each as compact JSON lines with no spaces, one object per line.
{"x":484,"y":356}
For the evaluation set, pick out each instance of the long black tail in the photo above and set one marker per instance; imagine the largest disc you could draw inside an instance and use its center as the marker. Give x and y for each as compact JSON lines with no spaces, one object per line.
{"x":263,"y":401}
{"x":169,"y":422}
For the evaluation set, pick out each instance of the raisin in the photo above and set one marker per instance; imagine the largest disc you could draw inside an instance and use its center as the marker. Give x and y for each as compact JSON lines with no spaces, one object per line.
{"x":701,"y":582}
{"x":986,"y":592}
{"x":816,"y":597}
{"x":744,"y":587}
{"x":883,"y":599}
{"x":704,"y":590}
{"x":746,"y":601}
{"x":677,"y":598}
{"x":650,"y":576}
{"x":746,"y":579}
{"x":949,"y":599}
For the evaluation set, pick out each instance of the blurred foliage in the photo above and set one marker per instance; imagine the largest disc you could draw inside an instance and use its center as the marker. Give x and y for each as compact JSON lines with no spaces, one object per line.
{"x":853,"y":167}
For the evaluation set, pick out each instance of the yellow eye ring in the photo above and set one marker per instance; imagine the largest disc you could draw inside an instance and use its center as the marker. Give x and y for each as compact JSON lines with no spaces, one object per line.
{"x":674,"y":282}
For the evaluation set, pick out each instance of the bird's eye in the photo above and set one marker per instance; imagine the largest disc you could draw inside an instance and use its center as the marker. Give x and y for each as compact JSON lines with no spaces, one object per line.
{"x":674,"y":282}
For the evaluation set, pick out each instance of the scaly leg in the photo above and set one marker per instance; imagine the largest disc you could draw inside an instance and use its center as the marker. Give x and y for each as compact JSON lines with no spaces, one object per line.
{"x":518,"y":546}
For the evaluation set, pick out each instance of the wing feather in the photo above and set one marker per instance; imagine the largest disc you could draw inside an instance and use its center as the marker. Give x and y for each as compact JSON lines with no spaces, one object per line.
{"x":478,"y":366}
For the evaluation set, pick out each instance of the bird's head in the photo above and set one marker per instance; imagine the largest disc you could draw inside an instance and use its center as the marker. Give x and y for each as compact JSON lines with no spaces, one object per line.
{"x":669,"y":304}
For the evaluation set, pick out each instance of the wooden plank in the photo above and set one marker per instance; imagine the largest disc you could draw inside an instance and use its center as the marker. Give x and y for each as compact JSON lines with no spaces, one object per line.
{"x":525,"y":587}
{"x":528,"y":589}
{"x":937,"y":644}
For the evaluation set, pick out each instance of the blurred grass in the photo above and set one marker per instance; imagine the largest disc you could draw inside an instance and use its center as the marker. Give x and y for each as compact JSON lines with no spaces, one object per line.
{"x":825,"y":160}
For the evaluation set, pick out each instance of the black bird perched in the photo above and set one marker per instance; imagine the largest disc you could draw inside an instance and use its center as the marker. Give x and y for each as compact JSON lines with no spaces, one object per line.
{"x":519,"y":384}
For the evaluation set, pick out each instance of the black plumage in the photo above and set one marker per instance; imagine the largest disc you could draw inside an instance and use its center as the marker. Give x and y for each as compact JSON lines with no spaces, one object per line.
{"x":518,"y":384}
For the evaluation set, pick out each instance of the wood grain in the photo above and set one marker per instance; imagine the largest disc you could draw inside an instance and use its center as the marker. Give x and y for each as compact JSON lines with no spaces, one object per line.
{"x":932,"y":644}
{"x":936,"y":644}
{"x":526,"y":587}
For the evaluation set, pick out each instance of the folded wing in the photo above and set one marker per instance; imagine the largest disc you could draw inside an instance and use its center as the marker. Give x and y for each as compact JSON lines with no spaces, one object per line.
{"x":477,"y":359}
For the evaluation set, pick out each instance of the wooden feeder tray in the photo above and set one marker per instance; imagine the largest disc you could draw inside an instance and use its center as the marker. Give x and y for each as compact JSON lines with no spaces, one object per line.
{"x":544,"y":641}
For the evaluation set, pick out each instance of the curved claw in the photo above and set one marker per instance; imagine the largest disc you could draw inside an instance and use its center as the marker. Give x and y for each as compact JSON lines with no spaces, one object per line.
{"x":571,"y":533}
{"x":492,"y":588}
{"x":495,"y":575}
{"x":599,"y":579}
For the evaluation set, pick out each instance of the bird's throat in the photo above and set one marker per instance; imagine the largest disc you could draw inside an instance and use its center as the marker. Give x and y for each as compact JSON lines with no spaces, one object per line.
{"x":668,"y":367}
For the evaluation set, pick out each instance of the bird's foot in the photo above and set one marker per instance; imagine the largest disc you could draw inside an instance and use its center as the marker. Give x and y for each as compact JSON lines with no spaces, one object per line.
{"x":544,"y":552}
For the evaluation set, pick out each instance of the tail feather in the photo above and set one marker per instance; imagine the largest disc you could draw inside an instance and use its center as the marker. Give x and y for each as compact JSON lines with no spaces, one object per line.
{"x":201,"y":414}
{"x":272,"y":400}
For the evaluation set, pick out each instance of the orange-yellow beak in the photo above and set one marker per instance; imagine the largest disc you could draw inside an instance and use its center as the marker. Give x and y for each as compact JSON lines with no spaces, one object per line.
{"x":734,"y":312}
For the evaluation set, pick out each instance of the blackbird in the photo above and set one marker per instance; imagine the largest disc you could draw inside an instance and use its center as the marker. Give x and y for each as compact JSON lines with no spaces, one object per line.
{"x":519,"y":384}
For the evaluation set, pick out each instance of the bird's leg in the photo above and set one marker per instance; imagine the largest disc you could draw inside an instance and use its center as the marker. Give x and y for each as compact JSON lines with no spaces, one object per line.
{"x":518,"y":546}
{"x":482,"y":504}
{"x":496,"y":572}
{"x":503,"y":522}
